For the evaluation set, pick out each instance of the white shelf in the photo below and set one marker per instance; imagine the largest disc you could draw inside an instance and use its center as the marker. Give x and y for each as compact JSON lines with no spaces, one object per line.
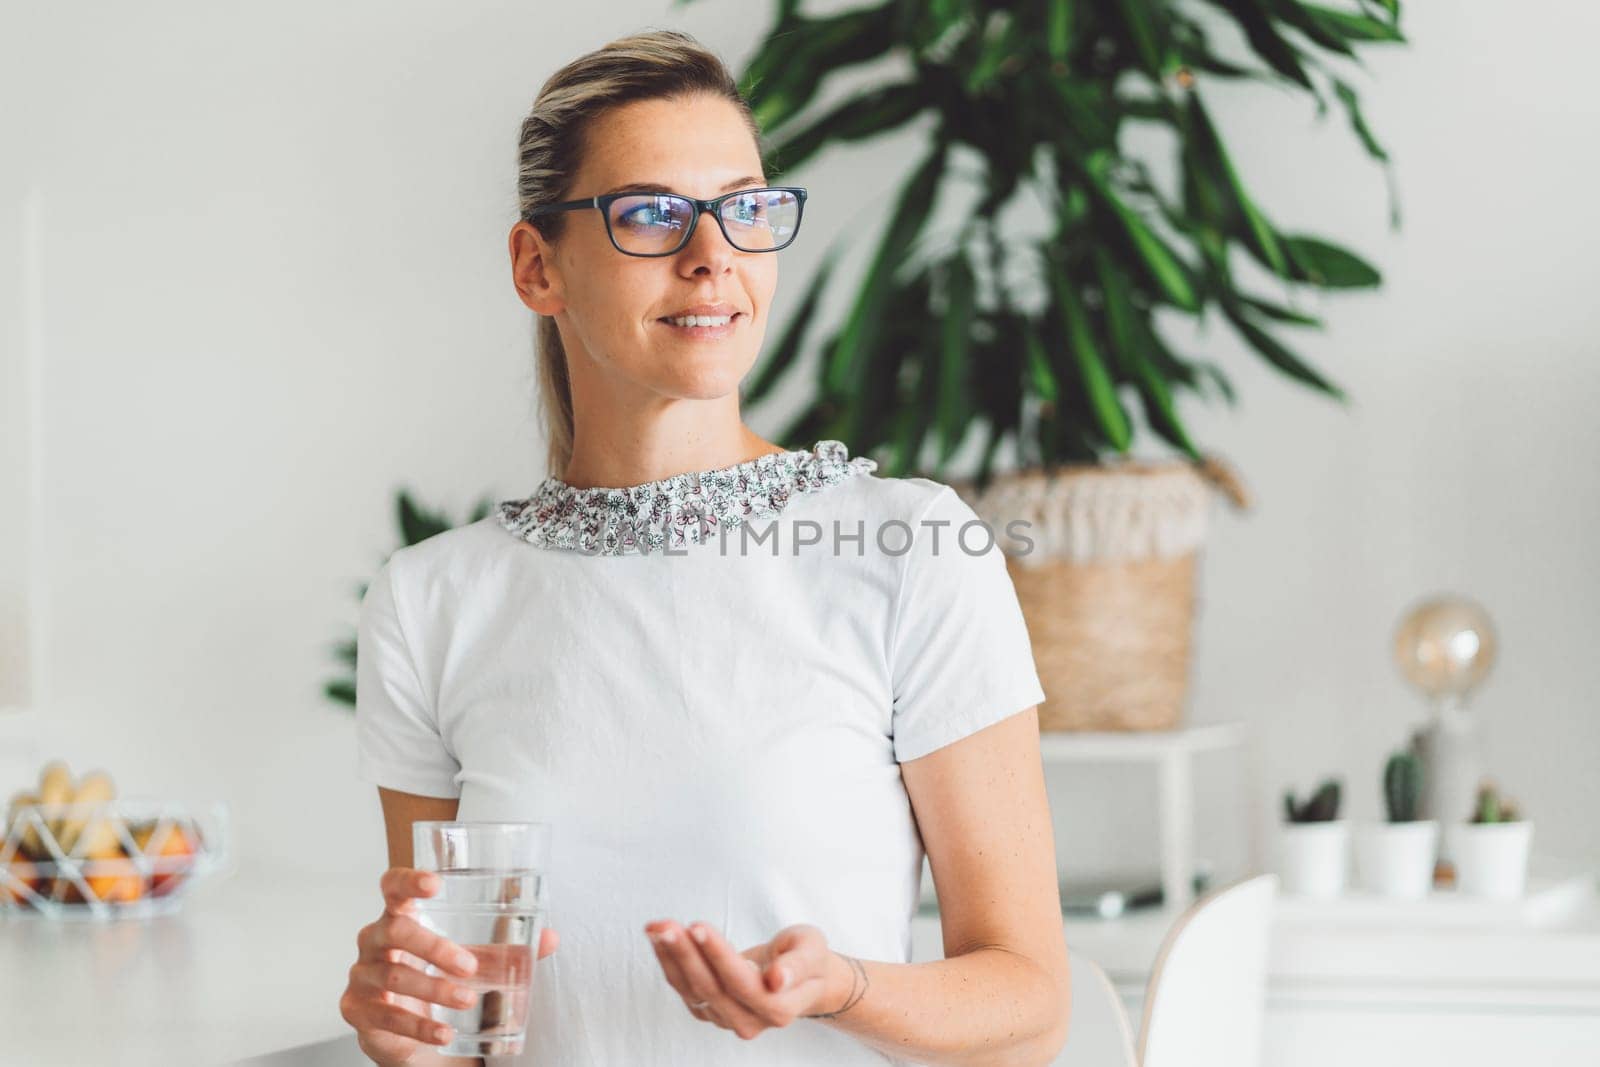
{"x":1147,"y":746}
{"x":1552,"y":896}
{"x":1171,"y":753}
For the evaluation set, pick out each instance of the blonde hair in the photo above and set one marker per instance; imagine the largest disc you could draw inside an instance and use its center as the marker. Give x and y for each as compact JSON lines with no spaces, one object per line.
{"x":653,"y":64}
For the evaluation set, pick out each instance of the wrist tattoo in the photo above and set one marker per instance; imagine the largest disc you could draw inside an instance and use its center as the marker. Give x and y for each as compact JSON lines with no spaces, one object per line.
{"x":858,"y":988}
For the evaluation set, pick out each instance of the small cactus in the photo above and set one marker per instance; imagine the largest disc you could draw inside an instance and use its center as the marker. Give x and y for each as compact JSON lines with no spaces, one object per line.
{"x":1402,"y":785}
{"x":1323,"y":805}
{"x":1491,"y":807}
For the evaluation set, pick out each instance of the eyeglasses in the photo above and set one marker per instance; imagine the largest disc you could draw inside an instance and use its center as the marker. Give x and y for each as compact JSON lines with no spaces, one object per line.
{"x":660,"y":224}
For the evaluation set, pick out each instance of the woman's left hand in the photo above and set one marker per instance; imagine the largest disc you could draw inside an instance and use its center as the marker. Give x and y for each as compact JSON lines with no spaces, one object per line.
{"x":768,"y":985}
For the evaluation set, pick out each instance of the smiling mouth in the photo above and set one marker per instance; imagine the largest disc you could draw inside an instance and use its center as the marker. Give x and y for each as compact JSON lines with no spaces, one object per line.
{"x":710,"y":329}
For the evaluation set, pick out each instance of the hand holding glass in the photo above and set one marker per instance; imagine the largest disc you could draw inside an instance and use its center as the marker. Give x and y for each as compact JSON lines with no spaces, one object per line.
{"x":492,"y":901}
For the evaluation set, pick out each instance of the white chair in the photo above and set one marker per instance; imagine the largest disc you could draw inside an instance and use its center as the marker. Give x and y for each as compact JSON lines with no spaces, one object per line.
{"x":1206,"y":998}
{"x":1098,"y":1034}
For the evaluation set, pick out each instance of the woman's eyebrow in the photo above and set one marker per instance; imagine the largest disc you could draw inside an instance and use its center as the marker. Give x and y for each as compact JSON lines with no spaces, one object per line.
{"x":657,"y":187}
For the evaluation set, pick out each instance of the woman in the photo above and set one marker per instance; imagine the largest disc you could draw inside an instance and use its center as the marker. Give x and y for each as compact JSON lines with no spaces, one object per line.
{"x":744,"y":749}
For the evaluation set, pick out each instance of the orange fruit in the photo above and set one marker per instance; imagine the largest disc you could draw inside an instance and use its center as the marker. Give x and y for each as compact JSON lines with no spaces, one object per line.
{"x":22,"y":871}
{"x":180,"y":841}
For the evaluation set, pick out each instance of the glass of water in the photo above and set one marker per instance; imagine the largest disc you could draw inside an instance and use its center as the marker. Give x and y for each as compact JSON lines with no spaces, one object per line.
{"x":493,"y":895}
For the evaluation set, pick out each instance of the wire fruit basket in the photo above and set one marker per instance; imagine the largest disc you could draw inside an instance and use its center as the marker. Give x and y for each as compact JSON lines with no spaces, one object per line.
{"x":119,"y":859}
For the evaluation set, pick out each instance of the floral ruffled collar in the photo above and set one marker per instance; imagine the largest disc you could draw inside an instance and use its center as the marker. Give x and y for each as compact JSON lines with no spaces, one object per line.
{"x":677,"y":511}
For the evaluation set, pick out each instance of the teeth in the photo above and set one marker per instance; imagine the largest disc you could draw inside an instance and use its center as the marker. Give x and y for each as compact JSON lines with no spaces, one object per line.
{"x":702,"y":320}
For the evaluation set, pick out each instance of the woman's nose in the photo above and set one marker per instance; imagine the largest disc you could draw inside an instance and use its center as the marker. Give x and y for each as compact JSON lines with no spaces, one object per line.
{"x":707,"y":245}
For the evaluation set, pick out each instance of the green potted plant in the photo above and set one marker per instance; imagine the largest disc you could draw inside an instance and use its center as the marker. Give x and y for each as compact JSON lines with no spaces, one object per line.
{"x":1396,"y":857}
{"x":1026,"y":324}
{"x":1490,"y":851}
{"x":1314,"y":843}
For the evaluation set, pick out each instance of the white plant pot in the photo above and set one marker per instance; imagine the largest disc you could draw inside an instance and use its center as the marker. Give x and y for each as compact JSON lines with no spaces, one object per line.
{"x":1396,"y":859}
{"x":1314,"y":857}
{"x":1491,"y":859}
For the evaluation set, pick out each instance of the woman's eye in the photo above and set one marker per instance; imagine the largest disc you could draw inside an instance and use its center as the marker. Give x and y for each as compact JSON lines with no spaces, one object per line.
{"x":750,"y":209}
{"x":643,"y":216}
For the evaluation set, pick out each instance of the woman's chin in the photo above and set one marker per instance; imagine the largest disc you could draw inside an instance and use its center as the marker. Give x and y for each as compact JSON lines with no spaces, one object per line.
{"x":712,"y":386}
{"x":698,"y":372}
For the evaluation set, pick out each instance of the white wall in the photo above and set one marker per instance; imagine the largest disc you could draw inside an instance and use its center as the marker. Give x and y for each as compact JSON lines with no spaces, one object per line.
{"x":272,"y":287}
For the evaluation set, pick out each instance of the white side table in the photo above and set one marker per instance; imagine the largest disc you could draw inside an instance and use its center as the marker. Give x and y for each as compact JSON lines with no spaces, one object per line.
{"x":1172,"y":752}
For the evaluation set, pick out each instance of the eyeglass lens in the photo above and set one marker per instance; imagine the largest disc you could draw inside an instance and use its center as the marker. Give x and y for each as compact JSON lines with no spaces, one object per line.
{"x":653,"y":223}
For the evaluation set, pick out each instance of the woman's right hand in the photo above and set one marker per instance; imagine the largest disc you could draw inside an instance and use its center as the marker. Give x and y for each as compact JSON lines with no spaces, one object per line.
{"x":388,"y":996}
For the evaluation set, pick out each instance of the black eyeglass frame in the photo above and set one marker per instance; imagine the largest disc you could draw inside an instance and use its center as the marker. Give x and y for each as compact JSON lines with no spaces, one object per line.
{"x":714,"y":205}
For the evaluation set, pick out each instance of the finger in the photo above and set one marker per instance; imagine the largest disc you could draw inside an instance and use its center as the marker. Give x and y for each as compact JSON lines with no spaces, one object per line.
{"x":404,"y":932}
{"x":796,"y":957}
{"x":788,"y":970}
{"x":410,"y":1024}
{"x":710,"y":984}
{"x":549,"y":941}
{"x":401,"y":885}
{"x":663,"y":938}
{"x":405,"y":980}
{"x":391,"y":1018}
{"x":739,"y":979}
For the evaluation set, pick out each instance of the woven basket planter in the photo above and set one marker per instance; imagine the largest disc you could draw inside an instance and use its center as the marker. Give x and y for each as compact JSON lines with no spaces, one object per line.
{"x":1108,"y":585}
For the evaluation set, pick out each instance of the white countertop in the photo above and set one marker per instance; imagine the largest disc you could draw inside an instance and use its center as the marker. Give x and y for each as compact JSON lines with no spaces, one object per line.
{"x":254,"y":962}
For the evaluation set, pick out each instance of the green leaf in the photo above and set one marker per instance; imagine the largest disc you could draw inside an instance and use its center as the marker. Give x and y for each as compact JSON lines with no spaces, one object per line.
{"x":1329,"y":265}
{"x":997,"y":46}
{"x":1142,"y":28}
{"x":1358,"y":123}
{"x":815,"y":423}
{"x":856,"y":342}
{"x":1119,"y":310}
{"x":345,"y":652}
{"x":1220,"y":381}
{"x":954,"y":409}
{"x":1261,"y":238}
{"x":1277,"y":355}
{"x":909,"y":328}
{"x":1058,"y":29}
{"x":1279,"y":313}
{"x":1193,"y":48}
{"x":1354,"y":27}
{"x":1163,"y":266}
{"x":1133,"y":342}
{"x":1264,"y":38}
{"x":341,"y":691}
{"x":788,"y":67}
{"x":782,"y":354}
{"x":911,"y":421}
{"x":986,"y":460}
{"x":1092,"y":371}
{"x":1040,"y":374}
{"x":859,"y":117}
{"x":416,"y":523}
{"x":1159,"y":409}
{"x":1293,"y":13}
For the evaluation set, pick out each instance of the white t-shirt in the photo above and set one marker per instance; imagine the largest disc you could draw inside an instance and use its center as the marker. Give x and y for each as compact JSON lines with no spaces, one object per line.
{"x":715,"y":734}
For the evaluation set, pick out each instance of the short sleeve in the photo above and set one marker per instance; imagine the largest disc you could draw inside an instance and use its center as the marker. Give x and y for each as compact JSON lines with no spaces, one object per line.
{"x":961,"y":658}
{"x":398,"y":743}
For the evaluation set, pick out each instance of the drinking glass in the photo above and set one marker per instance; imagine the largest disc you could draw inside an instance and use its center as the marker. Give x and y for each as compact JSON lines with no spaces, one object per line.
{"x":492,"y":900}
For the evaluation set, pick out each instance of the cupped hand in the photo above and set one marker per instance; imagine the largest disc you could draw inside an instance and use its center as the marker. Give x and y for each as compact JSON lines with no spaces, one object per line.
{"x":764,"y":987}
{"x":387,"y":999}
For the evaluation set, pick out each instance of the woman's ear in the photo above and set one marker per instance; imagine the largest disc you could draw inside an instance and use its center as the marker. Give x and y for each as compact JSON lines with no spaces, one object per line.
{"x":533,"y":270}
